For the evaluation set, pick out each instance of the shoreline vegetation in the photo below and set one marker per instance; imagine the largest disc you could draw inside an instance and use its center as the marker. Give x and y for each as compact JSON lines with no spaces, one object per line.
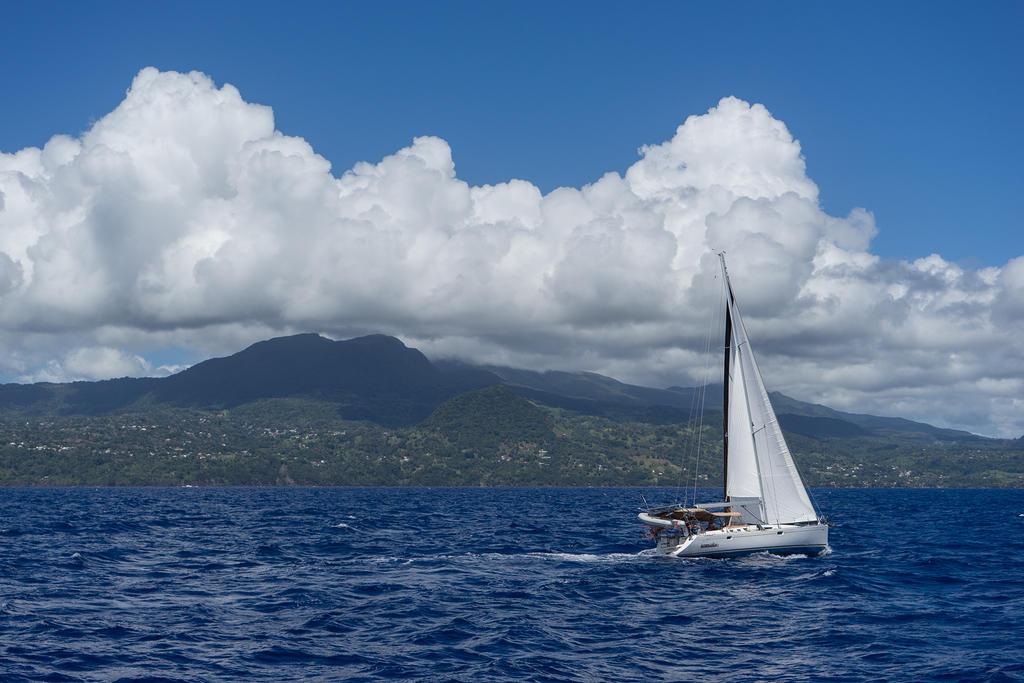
{"x":370,"y":411}
{"x":487,"y":437}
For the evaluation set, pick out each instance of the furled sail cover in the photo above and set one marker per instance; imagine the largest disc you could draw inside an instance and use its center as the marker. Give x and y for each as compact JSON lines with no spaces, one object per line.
{"x":760,"y":463}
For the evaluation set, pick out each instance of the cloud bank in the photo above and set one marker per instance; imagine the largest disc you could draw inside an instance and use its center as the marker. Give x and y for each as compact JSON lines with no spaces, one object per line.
{"x":183,"y":218}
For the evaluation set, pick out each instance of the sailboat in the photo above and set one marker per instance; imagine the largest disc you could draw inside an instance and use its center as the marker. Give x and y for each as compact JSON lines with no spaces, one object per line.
{"x":766,"y":507}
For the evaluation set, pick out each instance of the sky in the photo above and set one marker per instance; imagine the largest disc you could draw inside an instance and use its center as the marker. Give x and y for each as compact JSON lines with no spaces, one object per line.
{"x":541,"y":184}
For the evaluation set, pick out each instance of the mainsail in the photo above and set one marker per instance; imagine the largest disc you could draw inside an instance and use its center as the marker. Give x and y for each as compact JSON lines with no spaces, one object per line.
{"x":758,"y":462}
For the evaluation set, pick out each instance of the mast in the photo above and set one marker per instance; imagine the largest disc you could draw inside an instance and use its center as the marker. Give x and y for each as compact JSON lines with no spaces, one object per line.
{"x":725,"y":381}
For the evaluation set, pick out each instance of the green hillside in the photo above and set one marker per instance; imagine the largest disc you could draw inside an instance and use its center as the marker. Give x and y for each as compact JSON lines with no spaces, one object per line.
{"x":371,"y":411}
{"x":486,"y":437}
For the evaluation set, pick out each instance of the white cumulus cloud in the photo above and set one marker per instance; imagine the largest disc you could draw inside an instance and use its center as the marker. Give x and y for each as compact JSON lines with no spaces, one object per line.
{"x":184,"y":218}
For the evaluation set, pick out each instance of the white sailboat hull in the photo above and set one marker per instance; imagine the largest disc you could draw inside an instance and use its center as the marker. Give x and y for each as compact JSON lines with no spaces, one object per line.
{"x":779,"y":539}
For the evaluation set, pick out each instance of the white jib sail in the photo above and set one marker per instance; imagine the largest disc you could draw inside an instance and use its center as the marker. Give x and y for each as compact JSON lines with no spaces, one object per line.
{"x":760,"y":463}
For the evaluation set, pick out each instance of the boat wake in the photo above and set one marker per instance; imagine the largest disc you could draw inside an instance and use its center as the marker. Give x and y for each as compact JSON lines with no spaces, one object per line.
{"x":589,"y":558}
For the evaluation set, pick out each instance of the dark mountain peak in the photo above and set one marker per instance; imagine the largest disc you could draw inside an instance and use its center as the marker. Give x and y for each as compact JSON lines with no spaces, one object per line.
{"x":370,"y":368}
{"x":375,"y":377}
{"x":311,"y":342}
{"x":310,"y":349}
{"x":378,"y":340}
{"x":381,"y":347}
{"x":277,"y":347}
{"x":292,"y":342}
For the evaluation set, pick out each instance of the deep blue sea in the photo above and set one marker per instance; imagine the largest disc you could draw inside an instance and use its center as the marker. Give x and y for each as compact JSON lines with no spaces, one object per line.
{"x":544,"y":584}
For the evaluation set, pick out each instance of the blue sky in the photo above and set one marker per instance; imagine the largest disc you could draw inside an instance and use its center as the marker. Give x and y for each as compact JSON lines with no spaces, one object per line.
{"x":911,"y":110}
{"x":154,"y":217}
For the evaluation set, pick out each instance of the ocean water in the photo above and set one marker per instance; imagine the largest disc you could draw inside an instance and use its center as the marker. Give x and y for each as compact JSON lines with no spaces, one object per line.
{"x":362,"y":584}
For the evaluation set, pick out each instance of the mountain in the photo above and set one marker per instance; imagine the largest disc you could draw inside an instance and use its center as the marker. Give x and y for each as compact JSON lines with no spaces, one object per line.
{"x":379,"y":379}
{"x":585,"y":392}
{"x":812,"y":419}
{"x":588,"y":386}
{"x":307,"y":365}
{"x":371,"y":411}
{"x":595,"y":394}
{"x":74,"y":398}
{"x":375,"y":378}
{"x":820,"y":427}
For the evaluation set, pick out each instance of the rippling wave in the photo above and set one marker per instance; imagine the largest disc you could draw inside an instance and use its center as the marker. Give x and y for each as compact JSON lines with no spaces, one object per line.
{"x":495,"y":585}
